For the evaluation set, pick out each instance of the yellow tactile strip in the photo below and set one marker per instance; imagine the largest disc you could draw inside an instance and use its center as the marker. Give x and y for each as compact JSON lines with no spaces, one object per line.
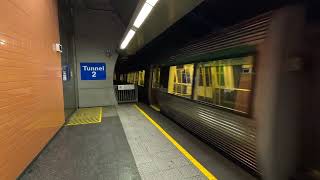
{"x":195,"y":162}
{"x":85,"y":116}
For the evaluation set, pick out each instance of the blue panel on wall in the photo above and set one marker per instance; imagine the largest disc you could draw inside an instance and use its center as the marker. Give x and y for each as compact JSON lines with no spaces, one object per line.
{"x":66,"y":72}
{"x":93,"y":71}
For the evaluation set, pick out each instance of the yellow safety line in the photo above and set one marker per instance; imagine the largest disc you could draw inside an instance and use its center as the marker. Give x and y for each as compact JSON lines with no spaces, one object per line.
{"x":179,"y":147}
{"x":100,"y":117}
{"x":155,"y":108}
{"x":99,"y":121}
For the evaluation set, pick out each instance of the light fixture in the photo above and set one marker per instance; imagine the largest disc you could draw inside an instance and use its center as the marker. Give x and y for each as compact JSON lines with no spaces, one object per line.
{"x":152,"y":2}
{"x":143,"y":14}
{"x":127,"y":39}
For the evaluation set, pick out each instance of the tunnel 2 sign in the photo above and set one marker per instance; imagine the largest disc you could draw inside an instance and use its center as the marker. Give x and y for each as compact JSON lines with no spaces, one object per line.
{"x":93,"y":71}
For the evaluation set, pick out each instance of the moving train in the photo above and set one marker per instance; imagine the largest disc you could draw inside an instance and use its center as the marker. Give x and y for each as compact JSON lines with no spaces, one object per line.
{"x":228,"y":88}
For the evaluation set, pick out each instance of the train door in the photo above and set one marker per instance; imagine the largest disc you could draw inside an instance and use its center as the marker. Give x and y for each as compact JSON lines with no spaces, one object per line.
{"x":154,"y":87}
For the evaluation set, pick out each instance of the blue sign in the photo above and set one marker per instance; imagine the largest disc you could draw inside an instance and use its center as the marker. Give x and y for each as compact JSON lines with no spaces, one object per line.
{"x":66,"y":73}
{"x":93,"y":71}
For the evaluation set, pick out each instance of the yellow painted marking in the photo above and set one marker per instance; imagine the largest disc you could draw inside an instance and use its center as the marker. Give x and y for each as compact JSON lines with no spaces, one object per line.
{"x":86,"y":116}
{"x":155,"y":108}
{"x":179,"y":147}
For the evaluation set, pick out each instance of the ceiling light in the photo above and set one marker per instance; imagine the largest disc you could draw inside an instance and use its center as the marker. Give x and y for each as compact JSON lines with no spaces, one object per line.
{"x":127,"y":39}
{"x":152,"y":2}
{"x":143,"y":14}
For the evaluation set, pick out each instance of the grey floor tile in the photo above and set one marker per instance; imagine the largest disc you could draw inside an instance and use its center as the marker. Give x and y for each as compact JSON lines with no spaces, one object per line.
{"x":189,"y":171}
{"x":147,"y":168}
{"x":180,"y":162}
{"x":141,"y":159}
{"x":156,"y":157}
{"x":164,"y":164}
{"x":197,"y":178}
{"x":94,"y":151}
{"x":173,"y":154}
{"x":172,"y":174}
{"x":217,"y":164}
{"x":153,"y":176}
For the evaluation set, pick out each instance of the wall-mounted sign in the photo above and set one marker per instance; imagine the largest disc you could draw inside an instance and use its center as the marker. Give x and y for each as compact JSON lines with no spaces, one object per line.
{"x":93,"y":71}
{"x":66,"y":73}
{"x":126,"y":87}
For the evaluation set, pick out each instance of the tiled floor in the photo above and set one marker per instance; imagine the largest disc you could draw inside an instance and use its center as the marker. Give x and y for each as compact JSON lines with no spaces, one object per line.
{"x":155,"y":156}
{"x":125,"y":145}
{"x":88,"y":152}
{"x":218,"y":165}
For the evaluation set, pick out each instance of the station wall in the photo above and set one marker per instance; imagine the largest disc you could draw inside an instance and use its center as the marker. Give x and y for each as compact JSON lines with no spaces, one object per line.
{"x":31,"y":98}
{"x":68,"y":60}
{"x":96,"y":32}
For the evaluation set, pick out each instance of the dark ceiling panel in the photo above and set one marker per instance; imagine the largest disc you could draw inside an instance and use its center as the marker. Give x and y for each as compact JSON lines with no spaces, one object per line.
{"x":125,"y":9}
{"x":163,"y":15}
{"x":99,"y":5}
{"x":209,"y":16}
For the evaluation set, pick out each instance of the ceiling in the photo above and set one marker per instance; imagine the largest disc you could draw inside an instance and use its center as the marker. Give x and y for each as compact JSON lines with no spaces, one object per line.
{"x":123,"y":8}
{"x":163,"y":15}
{"x":209,"y":16}
{"x":172,"y":23}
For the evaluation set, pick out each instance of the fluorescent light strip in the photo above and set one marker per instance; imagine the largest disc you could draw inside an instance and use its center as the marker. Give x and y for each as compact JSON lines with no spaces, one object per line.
{"x":143,"y":14}
{"x":127,"y":39}
{"x":152,"y":2}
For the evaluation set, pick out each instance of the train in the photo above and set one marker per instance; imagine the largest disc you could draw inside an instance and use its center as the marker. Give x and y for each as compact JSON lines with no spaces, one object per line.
{"x":223,"y":87}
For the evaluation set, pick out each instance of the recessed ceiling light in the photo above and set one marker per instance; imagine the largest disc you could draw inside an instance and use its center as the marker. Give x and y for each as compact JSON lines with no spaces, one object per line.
{"x":127,"y":39}
{"x":143,"y":14}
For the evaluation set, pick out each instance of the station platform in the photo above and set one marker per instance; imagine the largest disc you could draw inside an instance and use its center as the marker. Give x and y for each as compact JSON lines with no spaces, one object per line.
{"x":130,"y":142}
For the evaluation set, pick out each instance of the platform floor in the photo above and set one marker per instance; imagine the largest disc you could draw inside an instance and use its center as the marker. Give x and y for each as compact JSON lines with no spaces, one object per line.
{"x":126,"y":145}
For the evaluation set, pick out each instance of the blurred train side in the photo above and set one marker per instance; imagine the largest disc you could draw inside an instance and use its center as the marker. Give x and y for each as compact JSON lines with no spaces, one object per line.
{"x":277,"y":136}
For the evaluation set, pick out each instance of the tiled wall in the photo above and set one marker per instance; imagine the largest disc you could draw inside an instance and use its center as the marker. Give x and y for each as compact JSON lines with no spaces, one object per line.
{"x":31,"y":98}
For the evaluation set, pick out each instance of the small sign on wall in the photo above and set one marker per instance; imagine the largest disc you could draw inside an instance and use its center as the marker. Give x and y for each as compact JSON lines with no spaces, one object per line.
{"x":93,"y":71}
{"x":66,"y":73}
{"x":126,"y":87}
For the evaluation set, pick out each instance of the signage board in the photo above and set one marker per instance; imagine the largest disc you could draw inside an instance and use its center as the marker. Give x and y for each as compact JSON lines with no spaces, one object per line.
{"x":126,"y":87}
{"x":93,"y":71}
{"x":66,"y":73}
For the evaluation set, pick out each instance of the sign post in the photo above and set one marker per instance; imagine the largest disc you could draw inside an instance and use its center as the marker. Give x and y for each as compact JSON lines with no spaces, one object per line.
{"x":93,"y":71}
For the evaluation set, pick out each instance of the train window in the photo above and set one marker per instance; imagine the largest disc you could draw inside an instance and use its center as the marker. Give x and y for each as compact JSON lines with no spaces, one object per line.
{"x":135,"y":77}
{"x":180,"y":80}
{"x":141,"y":78}
{"x":156,"y":78}
{"x":130,"y":77}
{"x":207,"y":75}
{"x":226,"y":83}
{"x":200,"y":74}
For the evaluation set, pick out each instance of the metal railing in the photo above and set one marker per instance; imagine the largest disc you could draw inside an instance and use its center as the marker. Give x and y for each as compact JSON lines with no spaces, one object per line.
{"x":126,"y":93}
